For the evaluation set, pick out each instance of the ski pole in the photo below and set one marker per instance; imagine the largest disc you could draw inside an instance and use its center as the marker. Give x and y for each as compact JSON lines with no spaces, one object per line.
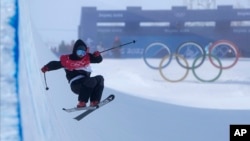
{"x":47,"y":88}
{"x":118,"y":46}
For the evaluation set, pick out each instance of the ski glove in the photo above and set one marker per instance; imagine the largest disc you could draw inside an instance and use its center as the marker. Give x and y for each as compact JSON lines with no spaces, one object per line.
{"x":96,"y":53}
{"x":44,"y":69}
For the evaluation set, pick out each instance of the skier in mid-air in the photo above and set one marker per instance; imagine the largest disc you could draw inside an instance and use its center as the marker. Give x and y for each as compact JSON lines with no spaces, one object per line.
{"x":78,"y":71}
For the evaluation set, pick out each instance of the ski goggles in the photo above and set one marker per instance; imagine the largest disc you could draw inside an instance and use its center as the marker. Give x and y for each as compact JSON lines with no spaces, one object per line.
{"x":80,"y":52}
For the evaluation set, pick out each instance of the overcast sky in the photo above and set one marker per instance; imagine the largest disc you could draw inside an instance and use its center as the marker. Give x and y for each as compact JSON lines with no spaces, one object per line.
{"x":57,"y":20}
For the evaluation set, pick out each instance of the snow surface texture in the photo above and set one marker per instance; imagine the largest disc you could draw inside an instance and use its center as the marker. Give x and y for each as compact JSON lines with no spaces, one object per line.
{"x":146,"y":107}
{"x":10,"y":127}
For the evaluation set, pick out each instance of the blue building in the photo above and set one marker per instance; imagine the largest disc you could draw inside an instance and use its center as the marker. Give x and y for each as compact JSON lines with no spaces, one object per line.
{"x":100,"y":28}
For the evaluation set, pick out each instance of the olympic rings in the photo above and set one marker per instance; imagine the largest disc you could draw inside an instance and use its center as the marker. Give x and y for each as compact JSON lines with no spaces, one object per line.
{"x":193,"y":53}
{"x":153,"y":52}
{"x":177,"y":56}
{"x":191,"y":50}
{"x":229,"y":47}
{"x":216,"y":77}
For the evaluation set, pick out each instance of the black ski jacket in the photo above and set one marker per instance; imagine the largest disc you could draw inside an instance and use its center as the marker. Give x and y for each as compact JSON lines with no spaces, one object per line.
{"x":54,"y":65}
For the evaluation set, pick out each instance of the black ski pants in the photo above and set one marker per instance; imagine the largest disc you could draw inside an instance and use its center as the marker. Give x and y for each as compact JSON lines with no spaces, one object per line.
{"x":88,"y":88}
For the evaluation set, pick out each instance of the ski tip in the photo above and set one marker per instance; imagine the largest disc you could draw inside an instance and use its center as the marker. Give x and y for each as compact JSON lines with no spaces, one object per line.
{"x":77,"y":119}
{"x":63,"y":109}
{"x":112,"y":96}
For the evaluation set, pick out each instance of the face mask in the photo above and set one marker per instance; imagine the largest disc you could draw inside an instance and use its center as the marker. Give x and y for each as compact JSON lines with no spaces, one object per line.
{"x":80,"y":53}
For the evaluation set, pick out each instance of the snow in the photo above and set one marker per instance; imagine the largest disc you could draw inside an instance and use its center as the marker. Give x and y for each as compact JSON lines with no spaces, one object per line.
{"x":146,"y":106}
{"x":9,"y":117}
{"x":132,"y":76}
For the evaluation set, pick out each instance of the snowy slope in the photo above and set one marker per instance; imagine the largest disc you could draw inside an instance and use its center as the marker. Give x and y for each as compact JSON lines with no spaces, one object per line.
{"x":132,"y":76}
{"x":134,"y":118}
{"x":146,"y":107}
{"x":10,"y":123}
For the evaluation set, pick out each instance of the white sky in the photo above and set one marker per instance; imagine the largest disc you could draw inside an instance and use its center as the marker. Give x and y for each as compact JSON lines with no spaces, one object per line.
{"x":58,"y":20}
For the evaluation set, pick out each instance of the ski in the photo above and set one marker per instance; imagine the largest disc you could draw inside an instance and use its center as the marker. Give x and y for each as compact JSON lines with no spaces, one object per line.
{"x":102,"y":103}
{"x":69,"y":110}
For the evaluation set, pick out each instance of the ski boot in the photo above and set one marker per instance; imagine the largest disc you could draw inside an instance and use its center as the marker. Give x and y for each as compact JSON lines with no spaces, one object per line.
{"x":94,"y":103}
{"x":81,"y":104}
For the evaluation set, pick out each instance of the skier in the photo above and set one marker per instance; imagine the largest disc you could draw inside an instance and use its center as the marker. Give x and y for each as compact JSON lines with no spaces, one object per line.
{"x":78,"y":71}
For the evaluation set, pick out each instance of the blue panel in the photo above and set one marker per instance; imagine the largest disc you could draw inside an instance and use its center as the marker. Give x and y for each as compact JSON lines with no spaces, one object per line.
{"x":175,"y":31}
